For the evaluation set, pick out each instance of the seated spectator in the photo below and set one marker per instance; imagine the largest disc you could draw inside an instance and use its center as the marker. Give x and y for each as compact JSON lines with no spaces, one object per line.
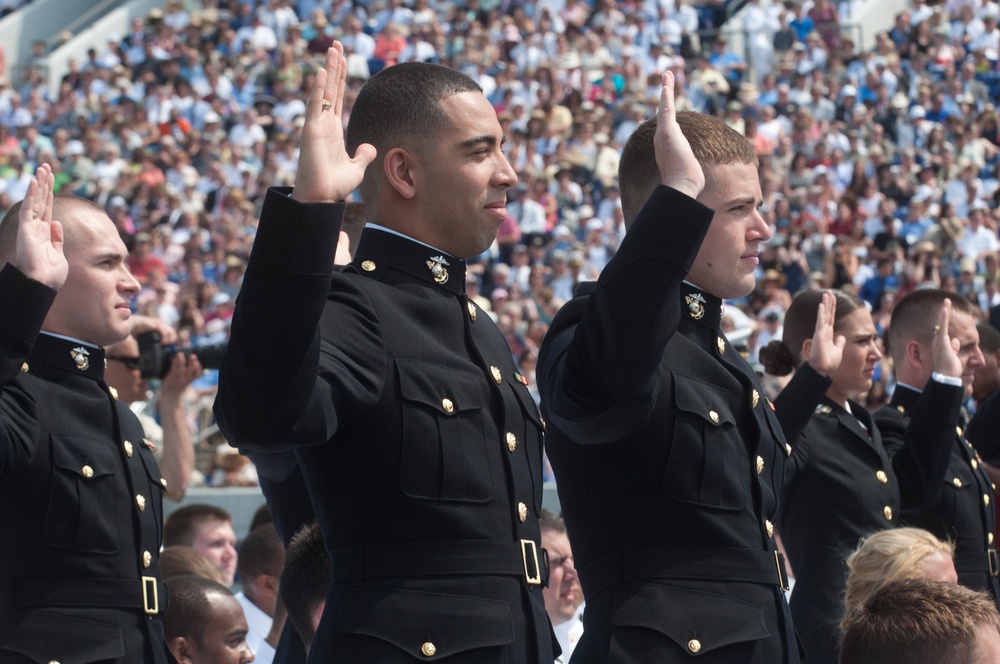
{"x":262,"y":555}
{"x":918,"y":621}
{"x":892,"y":555}
{"x":563,"y":594}
{"x":183,"y":560}
{"x":208,"y":530}
{"x":205,"y":624}
{"x":305,"y":581}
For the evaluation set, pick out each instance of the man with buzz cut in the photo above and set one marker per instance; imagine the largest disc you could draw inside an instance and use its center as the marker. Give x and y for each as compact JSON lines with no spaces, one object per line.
{"x":668,"y":458}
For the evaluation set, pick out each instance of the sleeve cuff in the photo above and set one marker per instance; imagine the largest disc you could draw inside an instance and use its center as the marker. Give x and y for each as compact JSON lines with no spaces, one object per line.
{"x":939,"y":377}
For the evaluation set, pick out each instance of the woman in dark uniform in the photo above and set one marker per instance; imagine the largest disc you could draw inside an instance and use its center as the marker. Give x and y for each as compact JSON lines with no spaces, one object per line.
{"x":839,"y":483}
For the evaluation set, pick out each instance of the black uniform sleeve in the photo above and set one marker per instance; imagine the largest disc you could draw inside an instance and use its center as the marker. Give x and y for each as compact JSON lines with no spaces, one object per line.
{"x":984,"y":429}
{"x":24,"y":304}
{"x":598,"y":365}
{"x":921,"y":449}
{"x":279,"y":384}
{"x":794,"y":407}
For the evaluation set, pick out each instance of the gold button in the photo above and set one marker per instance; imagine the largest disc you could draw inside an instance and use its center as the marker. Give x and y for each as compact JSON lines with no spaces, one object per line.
{"x":769,"y":527}
{"x":87,"y":471}
{"x":760,"y":465}
{"x":542,"y":420}
{"x":496,"y":374}
{"x":24,"y":366}
{"x":989,"y":539}
{"x":901,"y":409}
{"x":788,"y":450}
{"x":754,"y":399}
{"x":887,"y":511}
{"x":957,"y":482}
{"x":472,"y":311}
{"x":114,"y":393}
{"x":694,"y":645}
{"x":368,"y":266}
{"x":522,"y":512}
{"x":147,"y":559}
{"x":163,"y":481}
{"x":448,"y":406}
{"x":428,"y":649}
{"x":511,"y":441}
{"x":714,"y":416}
{"x":140,"y":500}
{"x":881,"y":476}
{"x":128,"y":448}
{"x":986,"y":499}
{"x":53,"y":662}
{"x":975,"y":464}
{"x":958,"y":430}
{"x":720,"y":343}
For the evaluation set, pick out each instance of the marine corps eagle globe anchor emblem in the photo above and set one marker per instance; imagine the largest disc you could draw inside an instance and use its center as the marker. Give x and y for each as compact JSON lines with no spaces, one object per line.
{"x":438,"y":270}
{"x":696,"y":305}
{"x":81,"y":358}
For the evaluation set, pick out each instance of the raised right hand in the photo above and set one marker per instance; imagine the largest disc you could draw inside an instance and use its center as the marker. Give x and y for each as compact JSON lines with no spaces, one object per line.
{"x":678,"y":166}
{"x":40,"y":239}
{"x":827,"y":349}
{"x":326,"y":173}
{"x":943,"y":347}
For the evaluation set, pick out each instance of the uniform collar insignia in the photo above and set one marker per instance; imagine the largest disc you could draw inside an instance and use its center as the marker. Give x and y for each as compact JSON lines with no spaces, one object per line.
{"x":81,"y":358}
{"x":437,"y":264}
{"x":696,"y":305}
{"x":823,"y":409}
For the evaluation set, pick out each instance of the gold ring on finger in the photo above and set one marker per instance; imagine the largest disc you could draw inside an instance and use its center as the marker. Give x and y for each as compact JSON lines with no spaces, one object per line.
{"x":34,"y":215}
{"x":326,"y":105}
{"x":937,"y":328}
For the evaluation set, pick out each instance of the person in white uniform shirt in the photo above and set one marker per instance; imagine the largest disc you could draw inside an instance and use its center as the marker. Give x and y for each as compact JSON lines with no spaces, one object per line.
{"x":262,"y":555}
{"x":564,"y":595}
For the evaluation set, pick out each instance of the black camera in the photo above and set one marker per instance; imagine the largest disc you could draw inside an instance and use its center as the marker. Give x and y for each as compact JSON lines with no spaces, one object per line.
{"x":155,"y":358}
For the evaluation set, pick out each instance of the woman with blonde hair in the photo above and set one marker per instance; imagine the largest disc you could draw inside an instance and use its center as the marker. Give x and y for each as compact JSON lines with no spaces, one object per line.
{"x":891,"y":555}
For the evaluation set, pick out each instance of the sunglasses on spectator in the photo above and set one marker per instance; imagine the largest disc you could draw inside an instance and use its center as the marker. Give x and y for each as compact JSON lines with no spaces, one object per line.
{"x":131,"y":363}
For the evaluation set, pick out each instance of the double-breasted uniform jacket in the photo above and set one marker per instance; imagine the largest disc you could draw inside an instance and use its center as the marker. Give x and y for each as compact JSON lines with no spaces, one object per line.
{"x":944,"y":488}
{"x":419,"y":443}
{"x":82,"y":500}
{"x":839,"y":487}
{"x":668,"y":459}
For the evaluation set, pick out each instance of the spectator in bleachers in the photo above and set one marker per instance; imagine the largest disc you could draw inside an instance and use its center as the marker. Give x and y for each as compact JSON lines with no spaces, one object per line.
{"x":205,"y":623}
{"x":261,"y":558}
{"x":208,"y":530}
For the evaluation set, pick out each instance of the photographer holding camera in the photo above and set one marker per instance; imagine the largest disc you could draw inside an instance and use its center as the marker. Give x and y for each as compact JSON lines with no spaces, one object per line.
{"x":170,"y":432}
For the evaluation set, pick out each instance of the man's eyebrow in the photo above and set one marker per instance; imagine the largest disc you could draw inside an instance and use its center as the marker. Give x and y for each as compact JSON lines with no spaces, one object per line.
{"x":488,"y":139}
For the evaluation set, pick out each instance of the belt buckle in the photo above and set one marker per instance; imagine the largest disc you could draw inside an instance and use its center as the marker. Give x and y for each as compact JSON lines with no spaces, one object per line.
{"x":994,"y":566}
{"x":779,"y":563}
{"x":533,"y":579}
{"x":150,"y":591}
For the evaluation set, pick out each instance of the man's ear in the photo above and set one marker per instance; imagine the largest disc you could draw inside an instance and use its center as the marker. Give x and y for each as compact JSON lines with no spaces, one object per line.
{"x":182,"y":650}
{"x":267,"y":585}
{"x":399,"y":166}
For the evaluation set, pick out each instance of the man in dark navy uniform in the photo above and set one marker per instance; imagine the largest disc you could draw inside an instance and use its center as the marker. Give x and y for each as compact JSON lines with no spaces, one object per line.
{"x":668,"y":458}
{"x":80,"y":489}
{"x":943,"y":484}
{"x":418,"y":440}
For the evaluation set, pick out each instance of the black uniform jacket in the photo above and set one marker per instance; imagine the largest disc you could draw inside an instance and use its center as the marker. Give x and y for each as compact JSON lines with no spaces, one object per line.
{"x":82,"y":500}
{"x":668,"y":459}
{"x":984,"y":429}
{"x":943,"y":487}
{"x":419,"y":443}
{"x":839,"y":487}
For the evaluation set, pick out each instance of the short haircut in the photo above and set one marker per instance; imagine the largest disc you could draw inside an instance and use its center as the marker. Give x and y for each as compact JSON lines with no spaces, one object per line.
{"x":712,"y":141}
{"x":181,"y":560}
{"x":261,"y":517}
{"x":261,"y":552}
{"x":399,"y":106}
{"x":64,"y":207}
{"x":306,"y":579}
{"x":989,"y":338}
{"x":181,"y":526}
{"x":551,"y":521}
{"x":917,"y":621}
{"x":887,"y":556}
{"x":353,"y":223}
{"x":189,"y":608}
{"x":780,"y":357}
{"x":913,"y":318}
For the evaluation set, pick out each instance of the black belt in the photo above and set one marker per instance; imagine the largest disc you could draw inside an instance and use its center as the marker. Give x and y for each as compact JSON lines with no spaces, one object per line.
{"x":975,"y":562}
{"x":146,"y":593}
{"x":645,"y":563}
{"x":444,"y":558}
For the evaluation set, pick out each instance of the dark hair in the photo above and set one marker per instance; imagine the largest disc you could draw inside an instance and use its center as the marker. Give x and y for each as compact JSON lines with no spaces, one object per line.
{"x":781,"y":357}
{"x":179,"y":527}
{"x":400,"y":106}
{"x":179,"y":560}
{"x":261,"y":552}
{"x":190,"y":609}
{"x":712,"y":141}
{"x":551,"y":521}
{"x":917,"y":621}
{"x":306,"y":579}
{"x":261,"y":517}
{"x":913,"y":318}
{"x":989,"y":338}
